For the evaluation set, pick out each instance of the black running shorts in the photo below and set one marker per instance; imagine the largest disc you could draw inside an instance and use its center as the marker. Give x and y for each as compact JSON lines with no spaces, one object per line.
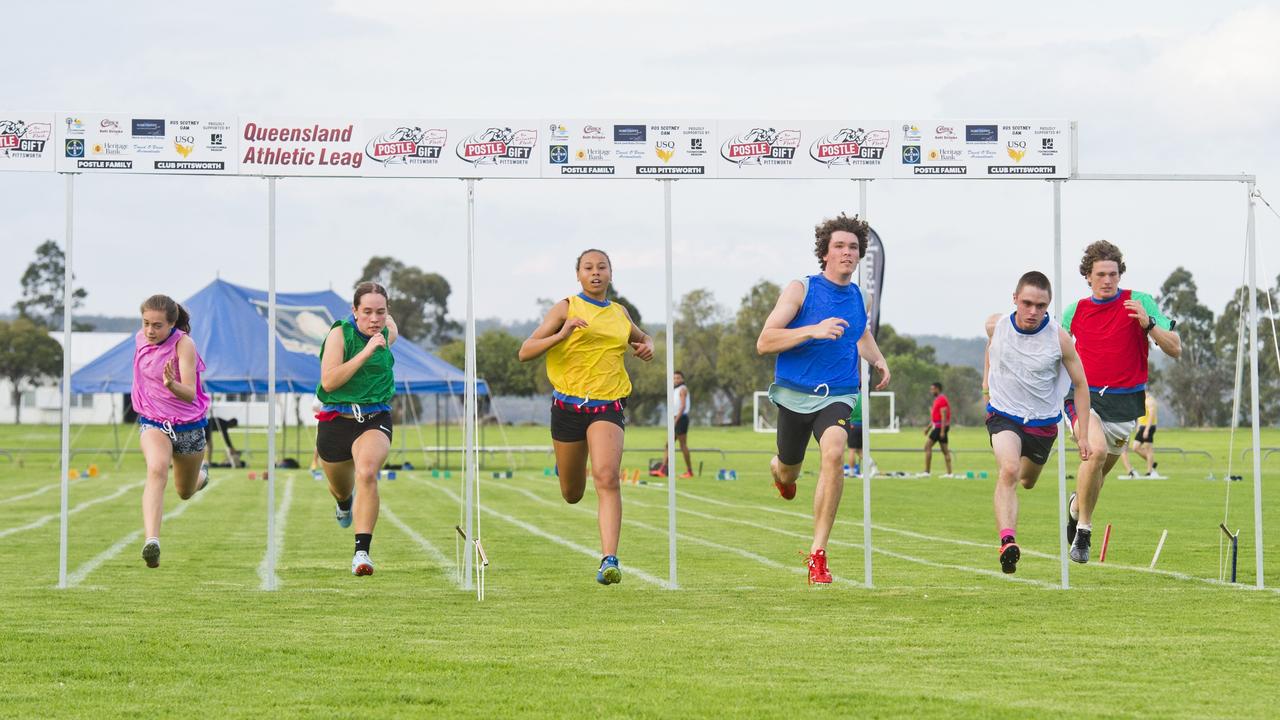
{"x":335,"y":437}
{"x":795,"y":429}
{"x":568,"y":424}
{"x":855,"y":437}
{"x":1037,"y":442}
{"x":939,"y":434}
{"x":1148,"y":437}
{"x":682,"y":425}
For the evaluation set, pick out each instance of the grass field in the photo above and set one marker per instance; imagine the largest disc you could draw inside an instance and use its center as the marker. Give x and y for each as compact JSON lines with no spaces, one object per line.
{"x":942,"y":634}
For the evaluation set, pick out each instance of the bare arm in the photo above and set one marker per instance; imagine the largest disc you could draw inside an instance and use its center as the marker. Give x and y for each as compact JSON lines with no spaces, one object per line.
{"x":986,"y":356}
{"x":185,"y":390}
{"x":334,"y":373}
{"x":776,"y":337}
{"x":1075,"y":370}
{"x":870,"y":351}
{"x":640,"y":341}
{"x":555,"y":327}
{"x":1168,"y":341}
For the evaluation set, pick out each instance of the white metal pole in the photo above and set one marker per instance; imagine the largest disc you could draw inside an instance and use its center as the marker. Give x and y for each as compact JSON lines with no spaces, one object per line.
{"x":271,"y":385}
{"x":1063,"y":427}
{"x":1253,"y":388}
{"x":671,"y":392}
{"x":864,"y":369}
{"x":66,"y":381}
{"x":468,"y":389}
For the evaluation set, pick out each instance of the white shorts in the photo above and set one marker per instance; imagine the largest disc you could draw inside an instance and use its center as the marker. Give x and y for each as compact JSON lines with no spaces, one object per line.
{"x":1116,"y":433}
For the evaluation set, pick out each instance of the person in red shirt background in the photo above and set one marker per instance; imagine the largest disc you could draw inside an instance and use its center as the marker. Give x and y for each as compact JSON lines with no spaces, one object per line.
{"x":939,"y":426}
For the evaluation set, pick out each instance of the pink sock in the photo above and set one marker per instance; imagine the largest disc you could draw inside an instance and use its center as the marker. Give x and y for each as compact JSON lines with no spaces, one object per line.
{"x":1006,"y":532}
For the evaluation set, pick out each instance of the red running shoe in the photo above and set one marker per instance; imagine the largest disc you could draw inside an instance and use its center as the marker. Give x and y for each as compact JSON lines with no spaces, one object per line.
{"x":818,"y":572}
{"x":788,"y":492}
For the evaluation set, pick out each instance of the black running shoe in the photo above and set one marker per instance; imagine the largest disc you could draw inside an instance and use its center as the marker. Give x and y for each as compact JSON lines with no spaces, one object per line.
{"x":151,"y":554}
{"x":1072,"y":519}
{"x":1009,"y":554}
{"x":1080,"y":547}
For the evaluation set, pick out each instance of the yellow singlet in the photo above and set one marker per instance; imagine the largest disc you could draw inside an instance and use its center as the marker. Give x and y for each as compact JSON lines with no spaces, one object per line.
{"x":1150,"y":417}
{"x":588,"y":365}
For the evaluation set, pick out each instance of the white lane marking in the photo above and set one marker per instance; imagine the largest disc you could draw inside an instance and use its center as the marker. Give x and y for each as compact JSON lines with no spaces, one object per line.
{"x":444,"y":563}
{"x":45,"y":520}
{"x":271,"y":558}
{"x":534,"y":530}
{"x":82,"y":572}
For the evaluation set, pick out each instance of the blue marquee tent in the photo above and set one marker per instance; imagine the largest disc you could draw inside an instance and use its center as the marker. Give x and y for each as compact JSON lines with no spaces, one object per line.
{"x":229,"y":326}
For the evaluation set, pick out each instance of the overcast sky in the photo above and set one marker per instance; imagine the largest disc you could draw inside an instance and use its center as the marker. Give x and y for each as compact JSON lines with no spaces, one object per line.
{"x":1156,"y":87}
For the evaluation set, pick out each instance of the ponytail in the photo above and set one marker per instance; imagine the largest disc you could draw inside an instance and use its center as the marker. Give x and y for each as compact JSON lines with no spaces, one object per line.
{"x":173,"y":312}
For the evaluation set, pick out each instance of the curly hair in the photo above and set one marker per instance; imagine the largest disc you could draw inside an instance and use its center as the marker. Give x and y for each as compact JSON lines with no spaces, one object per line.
{"x":1100,"y":250}
{"x":822,"y":235}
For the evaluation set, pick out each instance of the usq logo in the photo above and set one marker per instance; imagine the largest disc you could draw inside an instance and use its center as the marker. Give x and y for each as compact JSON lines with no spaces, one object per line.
{"x":666,"y":149}
{"x":184,"y":144}
{"x":1017,"y":149}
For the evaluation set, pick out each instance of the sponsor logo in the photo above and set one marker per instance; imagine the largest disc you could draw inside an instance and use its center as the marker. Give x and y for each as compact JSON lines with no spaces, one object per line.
{"x":593,"y":132}
{"x":75,"y":126}
{"x":629,"y":133}
{"x":74,"y":147}
{"x":670,"y":170}
{"x":1021,"y":169}
{"x":184,"y":144}
{"x":215,"y":139}
{"x":981,"y":154}
{"x":665,"y":149}
{"x":695,"y":145}
{"x":559,"y":132}
{"x":944,"y":132}
{"x":20,"y":140}
{"x":1016,"y":149}
{"x":910,"y":154}
{"x":406,"y":146}
{"x":761,"y":146}
{"x":840,"y":421}
{"x":559,"y":154}
{"x":945,"y":154}
{"x":630,"y":154}
{"x":981,"y":133}
{"x":498,"y":146}
{"x":107,"y":126}
{"x":587,"y":170}
{"x":145,"y":127}
{"x":910,"y":133}
{"x":850,"y":146}
{"x":1015,"y":130}
{"x":187,"y":165}
{"x":110,"y":148}
{"x":940,"y":170}
{"x":104,"y":164}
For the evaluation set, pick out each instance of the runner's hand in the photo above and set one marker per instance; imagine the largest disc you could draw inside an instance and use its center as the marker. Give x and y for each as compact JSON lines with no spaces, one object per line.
{"x":643,"y":349}
{"x":1085,"y":451}
{"x":169,"y":375}
{"x":830,"y":329}
{"x":375,"y":342}
{"x":882,"y":368}
{"x":570,"y":324}
{"x":1137,"y":312}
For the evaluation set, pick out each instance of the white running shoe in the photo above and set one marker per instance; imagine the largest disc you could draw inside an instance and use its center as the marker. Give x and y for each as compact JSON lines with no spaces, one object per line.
{"x":361,"y":564}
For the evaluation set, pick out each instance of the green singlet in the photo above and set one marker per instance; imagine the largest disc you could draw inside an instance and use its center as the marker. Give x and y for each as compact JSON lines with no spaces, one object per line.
{"x":373,"y":383}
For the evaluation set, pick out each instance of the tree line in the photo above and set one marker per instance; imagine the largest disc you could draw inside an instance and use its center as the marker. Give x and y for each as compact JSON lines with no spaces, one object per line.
{"x":716,"y":349}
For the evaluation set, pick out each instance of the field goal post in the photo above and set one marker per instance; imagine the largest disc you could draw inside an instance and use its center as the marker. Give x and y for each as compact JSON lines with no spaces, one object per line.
{"x":765,"y":414}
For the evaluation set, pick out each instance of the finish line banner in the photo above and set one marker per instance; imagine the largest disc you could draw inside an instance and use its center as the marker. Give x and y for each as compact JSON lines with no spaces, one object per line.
{"x":267,"y":145}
